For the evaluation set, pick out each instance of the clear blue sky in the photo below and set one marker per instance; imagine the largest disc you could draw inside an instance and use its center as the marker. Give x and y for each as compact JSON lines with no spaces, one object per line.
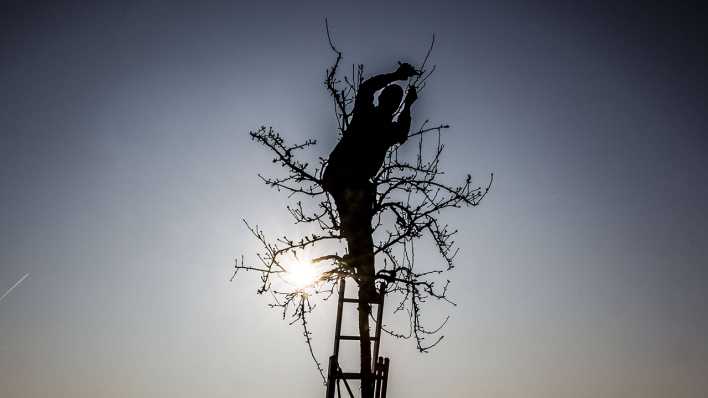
{"x":125,"y":168}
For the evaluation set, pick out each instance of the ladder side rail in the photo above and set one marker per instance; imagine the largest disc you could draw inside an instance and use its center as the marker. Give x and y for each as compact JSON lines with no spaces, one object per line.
{"x":331,"y":376}
{"x":332,"y":373}
{"x":344,"y":379}
{"x":385,"y":378}
{"x":377,"y":377}
{"x":338,"y":325}
{"x":379,"y":319}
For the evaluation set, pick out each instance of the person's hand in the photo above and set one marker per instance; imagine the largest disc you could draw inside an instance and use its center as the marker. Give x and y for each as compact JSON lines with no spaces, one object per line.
{"x":411,"y":96}
{"x":406,"y":70}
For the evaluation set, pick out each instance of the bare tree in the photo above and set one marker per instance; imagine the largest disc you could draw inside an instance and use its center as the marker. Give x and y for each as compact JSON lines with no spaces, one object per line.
{"x":409,"y":198}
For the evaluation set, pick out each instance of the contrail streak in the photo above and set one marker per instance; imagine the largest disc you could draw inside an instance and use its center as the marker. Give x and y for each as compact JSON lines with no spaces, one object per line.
{"x":13,"y":287}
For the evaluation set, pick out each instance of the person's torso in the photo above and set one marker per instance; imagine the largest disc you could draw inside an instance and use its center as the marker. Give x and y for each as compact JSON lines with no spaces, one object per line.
{"x":362,"y":150}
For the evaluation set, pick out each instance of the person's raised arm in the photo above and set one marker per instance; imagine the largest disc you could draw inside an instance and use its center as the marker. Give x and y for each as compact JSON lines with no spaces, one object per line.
{"x":365,"y":93}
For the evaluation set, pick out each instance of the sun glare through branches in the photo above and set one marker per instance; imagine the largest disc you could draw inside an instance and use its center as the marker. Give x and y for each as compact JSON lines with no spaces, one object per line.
{"x":301,"y":274}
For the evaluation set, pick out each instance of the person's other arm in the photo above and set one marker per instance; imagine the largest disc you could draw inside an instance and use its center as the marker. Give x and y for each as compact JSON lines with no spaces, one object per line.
{"x":403,"y":125}
{"x":365,"y":94}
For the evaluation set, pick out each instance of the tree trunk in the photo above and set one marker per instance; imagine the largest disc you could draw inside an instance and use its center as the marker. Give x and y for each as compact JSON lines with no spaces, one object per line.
{"x":363,"y":250}
{"x":354,"y":205}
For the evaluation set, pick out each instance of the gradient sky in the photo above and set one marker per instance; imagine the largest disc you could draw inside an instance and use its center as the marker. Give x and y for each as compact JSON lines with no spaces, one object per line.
{"x":125,"y":168}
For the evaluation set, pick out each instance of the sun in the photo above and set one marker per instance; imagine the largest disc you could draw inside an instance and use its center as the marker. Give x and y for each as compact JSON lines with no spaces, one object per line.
{"x":301,"y":274}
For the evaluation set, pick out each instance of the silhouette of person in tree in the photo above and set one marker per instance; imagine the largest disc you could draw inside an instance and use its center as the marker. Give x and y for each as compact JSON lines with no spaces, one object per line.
{"x":361,"y":152}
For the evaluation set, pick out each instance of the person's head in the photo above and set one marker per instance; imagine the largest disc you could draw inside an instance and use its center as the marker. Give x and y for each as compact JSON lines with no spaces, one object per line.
{"x":390,"y":98}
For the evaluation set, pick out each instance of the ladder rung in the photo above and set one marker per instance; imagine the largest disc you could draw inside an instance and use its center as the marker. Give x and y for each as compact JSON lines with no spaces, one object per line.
{"x":354,"y":300}
{"x":356,"y":376}
{"x":350,"y":300}
{"x":355,"y":337}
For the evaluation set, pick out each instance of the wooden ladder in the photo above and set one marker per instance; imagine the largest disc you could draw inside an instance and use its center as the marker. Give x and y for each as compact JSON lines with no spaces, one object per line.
{"x":379,"y":365}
